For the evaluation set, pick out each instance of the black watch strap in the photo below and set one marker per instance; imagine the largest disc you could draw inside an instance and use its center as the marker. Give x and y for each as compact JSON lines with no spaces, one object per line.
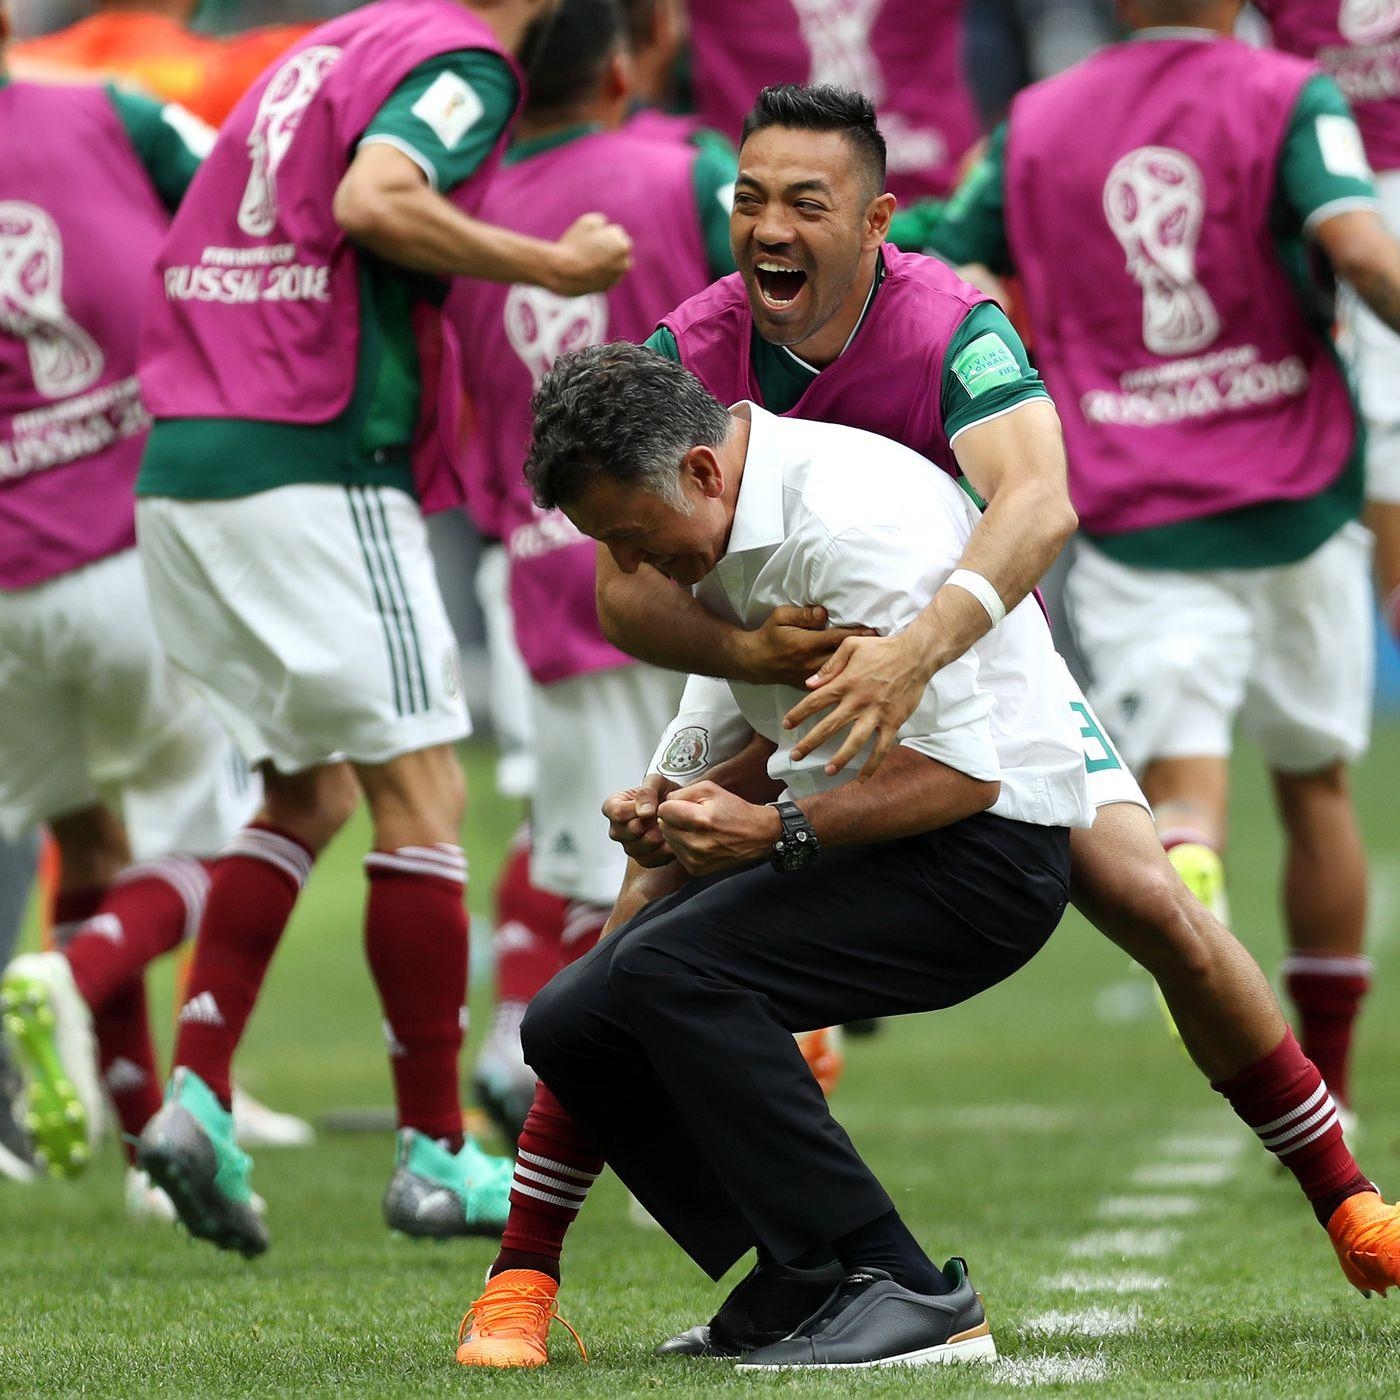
{"x":798,"y":845}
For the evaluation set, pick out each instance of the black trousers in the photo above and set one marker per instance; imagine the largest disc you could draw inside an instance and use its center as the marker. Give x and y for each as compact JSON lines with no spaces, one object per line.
{"x":671,"y":1042}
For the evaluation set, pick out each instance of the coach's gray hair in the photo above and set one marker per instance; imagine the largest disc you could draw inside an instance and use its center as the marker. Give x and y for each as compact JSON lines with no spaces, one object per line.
{"x":619,"y":411}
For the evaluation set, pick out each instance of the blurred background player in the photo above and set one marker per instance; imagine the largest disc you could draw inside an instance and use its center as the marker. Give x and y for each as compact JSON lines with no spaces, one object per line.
{"x":150,"y":42}
{"x":102,"y":741}
{"x":906,"y":56}
{"x":292,"y":342}
{"x":1359,"y":45}
{"x":1179,"y":325}
{"x":596,"y":712}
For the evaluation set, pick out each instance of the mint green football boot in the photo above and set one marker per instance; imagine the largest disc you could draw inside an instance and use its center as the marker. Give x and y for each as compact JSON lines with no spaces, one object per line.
{"x":188,"y":1150}
{"x":437,"y":1194}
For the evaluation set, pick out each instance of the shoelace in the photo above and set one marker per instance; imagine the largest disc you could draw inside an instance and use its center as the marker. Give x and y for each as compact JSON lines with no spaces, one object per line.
{"x":529,"y":1314}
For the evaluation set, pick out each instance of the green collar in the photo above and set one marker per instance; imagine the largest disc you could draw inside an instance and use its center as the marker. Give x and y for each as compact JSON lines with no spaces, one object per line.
{"x":537,"y":145}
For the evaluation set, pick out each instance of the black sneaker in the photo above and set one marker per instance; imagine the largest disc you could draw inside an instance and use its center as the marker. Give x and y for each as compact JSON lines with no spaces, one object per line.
{"x":873,"y":1321}
{"x":764,"y":1307}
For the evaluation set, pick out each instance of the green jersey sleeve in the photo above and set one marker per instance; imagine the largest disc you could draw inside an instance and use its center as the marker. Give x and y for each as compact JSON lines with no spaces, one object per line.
{"x":1322,"y":168}
{"x":716,"y":168}
{"x":170,"y":142}
{"x":972,"y":227}
{"x":664,"y":343}
{"x":912,"y":227}
{"x":448,"y":114}
{"x":985,"y":371}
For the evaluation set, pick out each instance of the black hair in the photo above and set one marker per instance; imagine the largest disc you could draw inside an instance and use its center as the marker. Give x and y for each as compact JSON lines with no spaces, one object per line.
{"x":619,"y":411}
{"x":823,"y":107}
{"x":572,"y":53}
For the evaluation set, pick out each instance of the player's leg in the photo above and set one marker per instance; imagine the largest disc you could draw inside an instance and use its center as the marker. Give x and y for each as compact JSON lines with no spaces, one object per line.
{"x":1309,"y":708}
{"x":18,"y":859}
{"x":189,"y":1147}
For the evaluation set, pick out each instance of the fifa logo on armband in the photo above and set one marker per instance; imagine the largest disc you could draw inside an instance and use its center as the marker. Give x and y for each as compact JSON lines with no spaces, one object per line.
{"x":63,"y":358}
{"x":279,"y":113}
{"x":1154,"y":200}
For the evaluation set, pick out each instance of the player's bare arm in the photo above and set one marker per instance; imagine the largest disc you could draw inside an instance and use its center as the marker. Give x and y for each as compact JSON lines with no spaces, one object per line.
{"x":710,"y":829}
{"x":1366,"y":254}
{"x":648,"y":617}
{"x":385,"y":203}
{"x":872,"y":685}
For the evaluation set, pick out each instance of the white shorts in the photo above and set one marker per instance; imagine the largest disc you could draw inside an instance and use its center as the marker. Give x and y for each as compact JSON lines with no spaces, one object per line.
{"x":1373,"y":351}
{"x":594,"y":735}
{"x":1106,"y":773}
{"x":1178,"y":658}
{"x":94,"y":713}
{"x":311,"y":618}
{"x":509,"y":695}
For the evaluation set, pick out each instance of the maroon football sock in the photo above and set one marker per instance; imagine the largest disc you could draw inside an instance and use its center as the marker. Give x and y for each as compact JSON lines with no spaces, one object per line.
{"x":1284,"y":1100}
{"x":416,"y":942}
{"x":254,"y":887}
{"x":128,"y":1060}
{"x":555,"y":1164}
{"x":1327,"y":989}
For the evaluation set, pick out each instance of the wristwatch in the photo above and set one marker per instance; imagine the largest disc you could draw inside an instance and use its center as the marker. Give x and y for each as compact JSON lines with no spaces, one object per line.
{"x":798,"y":845}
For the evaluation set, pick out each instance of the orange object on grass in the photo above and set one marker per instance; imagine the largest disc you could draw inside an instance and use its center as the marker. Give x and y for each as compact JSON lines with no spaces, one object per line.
{"x":508,"y":1326}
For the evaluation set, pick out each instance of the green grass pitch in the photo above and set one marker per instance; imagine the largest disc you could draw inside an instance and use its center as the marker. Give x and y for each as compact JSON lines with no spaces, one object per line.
{"x":1050,"y":1131}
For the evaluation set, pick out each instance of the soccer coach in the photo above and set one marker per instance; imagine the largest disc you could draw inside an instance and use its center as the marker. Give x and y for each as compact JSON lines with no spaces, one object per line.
{"x":671,"y":1041}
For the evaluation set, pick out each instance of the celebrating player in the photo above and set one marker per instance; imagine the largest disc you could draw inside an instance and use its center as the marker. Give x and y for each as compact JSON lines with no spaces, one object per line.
{"x":950,"y":869}
{"x":291,"y":340}
{"x":1355,"y":42}
{"x":102,"y":740}
{"x":596,"y":712}
{"x":827,"y":321}
{"x":1206,"y":595}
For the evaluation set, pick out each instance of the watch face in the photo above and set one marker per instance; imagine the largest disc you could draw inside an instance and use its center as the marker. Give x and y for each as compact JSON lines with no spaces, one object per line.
{"x":796,"y":852}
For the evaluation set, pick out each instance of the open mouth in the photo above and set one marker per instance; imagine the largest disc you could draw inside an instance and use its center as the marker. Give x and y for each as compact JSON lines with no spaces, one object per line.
{"x":777,"y":284}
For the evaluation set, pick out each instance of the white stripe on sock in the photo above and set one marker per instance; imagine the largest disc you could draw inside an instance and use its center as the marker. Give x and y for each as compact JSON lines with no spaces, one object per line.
{"x":1307,"y":1106}
{"x":546,"y":1196}
{"x":256,"y":844}
{"x":1301,"y":1126}
{"x":557,"y":1167}
{"x":541,"y":1180}
{"x":1342,"y":965}
{"x":1331,"y":1121}
{"x":378,"y":860}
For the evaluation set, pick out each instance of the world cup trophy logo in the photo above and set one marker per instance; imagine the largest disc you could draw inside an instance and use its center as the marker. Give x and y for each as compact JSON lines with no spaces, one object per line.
{"x":838,"y":33}
{"x":542,"y":325}
{"x":1154,"y":199}
{"x":279,"y":113}
{"x":1368,"y":21}
{"x":63,"y":358}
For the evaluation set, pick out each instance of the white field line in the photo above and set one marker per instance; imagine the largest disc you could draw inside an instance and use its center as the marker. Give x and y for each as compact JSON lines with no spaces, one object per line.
{"x":1148,"y":1207}
{"x":1184,"y":1174}
{"x":1001,"y":1117}
{"x":1050,"y":1370}
{"x":1083,"y":1322}
{"x":1120,"y":1284}
{"x":1205,"y":1145}
{"x":1125,"y":1244}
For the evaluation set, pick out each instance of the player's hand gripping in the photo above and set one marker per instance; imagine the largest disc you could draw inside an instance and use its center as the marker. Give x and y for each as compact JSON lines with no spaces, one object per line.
{"x":710,"y":829}
{"x":790,"y":645}
{"x":632,"y":821}
{"x":871,"y":685}
{"x":590,"y":256}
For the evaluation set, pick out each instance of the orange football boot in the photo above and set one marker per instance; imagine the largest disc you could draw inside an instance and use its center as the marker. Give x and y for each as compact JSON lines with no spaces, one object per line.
{"x":1365,"y":1232}
{"x":824,"y":1055}
{"x":510,"y":1322}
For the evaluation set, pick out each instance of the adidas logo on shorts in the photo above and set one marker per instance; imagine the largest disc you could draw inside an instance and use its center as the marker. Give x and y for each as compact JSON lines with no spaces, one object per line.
{"x":203,"y":1010}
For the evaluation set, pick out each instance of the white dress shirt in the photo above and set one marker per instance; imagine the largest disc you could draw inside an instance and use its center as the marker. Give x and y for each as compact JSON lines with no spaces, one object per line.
{"x":869,"y":530}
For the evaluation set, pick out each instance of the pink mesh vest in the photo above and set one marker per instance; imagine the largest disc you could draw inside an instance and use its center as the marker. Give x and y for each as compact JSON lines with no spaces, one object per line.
{"x":1188,"y":376}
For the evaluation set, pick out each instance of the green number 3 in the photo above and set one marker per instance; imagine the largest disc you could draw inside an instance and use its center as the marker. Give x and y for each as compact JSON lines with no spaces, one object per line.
{"x":1093,"y":735}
